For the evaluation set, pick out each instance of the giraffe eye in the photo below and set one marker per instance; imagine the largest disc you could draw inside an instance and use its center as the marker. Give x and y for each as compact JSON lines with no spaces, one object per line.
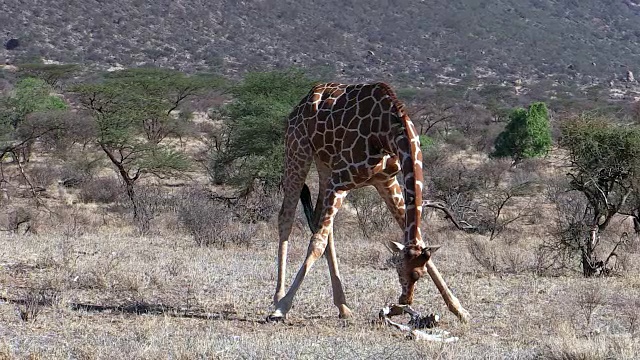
{"x":415,"y":275}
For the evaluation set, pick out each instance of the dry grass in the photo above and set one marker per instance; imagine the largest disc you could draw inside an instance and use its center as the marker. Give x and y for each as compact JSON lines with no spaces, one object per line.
{"x":88,"y":287}
{"x":111,"y":294}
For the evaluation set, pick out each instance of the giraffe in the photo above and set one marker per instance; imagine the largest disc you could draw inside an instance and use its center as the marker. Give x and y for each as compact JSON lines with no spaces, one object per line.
{"x":357,"y":135}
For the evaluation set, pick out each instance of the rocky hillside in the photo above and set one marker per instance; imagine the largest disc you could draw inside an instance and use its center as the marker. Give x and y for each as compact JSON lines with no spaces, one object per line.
{"x":411,"y":41}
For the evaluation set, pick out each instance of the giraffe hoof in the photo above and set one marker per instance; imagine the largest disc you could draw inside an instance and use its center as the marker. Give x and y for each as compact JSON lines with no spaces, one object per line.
{"x":345,"y":313}
{"x":277,"y":316}
{"x":464,"y":316}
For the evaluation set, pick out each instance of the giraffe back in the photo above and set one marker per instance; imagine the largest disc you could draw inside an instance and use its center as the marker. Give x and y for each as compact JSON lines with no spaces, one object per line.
{"x":349,"y":125}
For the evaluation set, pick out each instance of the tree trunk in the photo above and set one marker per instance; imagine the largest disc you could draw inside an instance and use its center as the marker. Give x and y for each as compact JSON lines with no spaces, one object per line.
{"x":128,"y":180}
{"x":590,"y":264}
{"x":132,"y":196}
{"x":636,"y":221}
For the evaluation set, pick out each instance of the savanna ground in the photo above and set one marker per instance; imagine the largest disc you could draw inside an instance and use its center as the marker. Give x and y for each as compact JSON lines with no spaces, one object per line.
{"x":89,"y":287}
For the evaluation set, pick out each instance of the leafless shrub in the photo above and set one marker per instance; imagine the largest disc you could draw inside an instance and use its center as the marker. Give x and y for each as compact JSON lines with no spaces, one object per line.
{"x":457,"y":140}
{"x":574,"y":237}
{"x":492,"y":173}
{"x":485,"y":254}
{"x":456,"y":185}
{"x":259,"y":204}
{"x":506,"y":198}
{"x":210,"y":222}
{"x":570,"y":228}
{"x":31,"y":305}
{"x":532,"y":165}
{"x":515,"y":260}
{"x":464,"y":208}
{"x":589,"y":300}
{"x":453,"y":178}
{"x":103,"y":190}
{"x":239,"y":233}
{"x":151,"y":202}
{"x":22,"y":221}
{"x":75,"y":223}
{"x":100,"y":276}
{"x":174,"y":267}
{"x":501,"y":199}
{"x":485,"y":136}
{"x":371,"y":212}
{"x":78,"y":170}
{"x":633,"y":316}
{"x":499,"y":257}
{"x":43,"y":176}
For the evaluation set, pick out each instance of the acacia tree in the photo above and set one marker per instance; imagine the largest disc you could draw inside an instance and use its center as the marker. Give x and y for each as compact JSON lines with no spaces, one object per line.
{"x":527,"y":134}
{"x":49,"y":73}
{"x":605,"y":163}
{"x":17,"y":133}
{"x":133,"y":111}
{"x":254,"y":127}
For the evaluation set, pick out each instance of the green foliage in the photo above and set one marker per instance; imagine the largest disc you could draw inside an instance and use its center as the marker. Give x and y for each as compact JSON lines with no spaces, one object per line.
{"x":256,"y":123}
{"x":426,"y":142}
{"x":33,"y":95}
{"x":605,"y":164}
{"x":49,"y":73}
{"x":30,"y":96}
{"x":527,"y":134}
{"x":600,"y":149}
{"x":134,"y":111}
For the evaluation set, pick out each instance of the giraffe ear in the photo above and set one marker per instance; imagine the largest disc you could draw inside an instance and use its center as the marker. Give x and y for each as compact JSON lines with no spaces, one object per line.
{"x":395,"y":246}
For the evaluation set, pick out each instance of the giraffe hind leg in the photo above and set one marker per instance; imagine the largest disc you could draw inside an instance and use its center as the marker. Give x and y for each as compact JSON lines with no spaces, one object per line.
{"x":337,"y":289}
{"x":339,"y":298}
{"x":316,"y":249}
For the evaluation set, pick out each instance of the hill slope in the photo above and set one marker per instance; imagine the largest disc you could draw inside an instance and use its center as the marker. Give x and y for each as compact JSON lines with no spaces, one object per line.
{"x":411,"y":40}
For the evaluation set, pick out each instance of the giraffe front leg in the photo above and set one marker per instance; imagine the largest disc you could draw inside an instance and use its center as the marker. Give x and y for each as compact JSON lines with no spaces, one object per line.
{"x":391,"y":192}
{"x":453,"y":304}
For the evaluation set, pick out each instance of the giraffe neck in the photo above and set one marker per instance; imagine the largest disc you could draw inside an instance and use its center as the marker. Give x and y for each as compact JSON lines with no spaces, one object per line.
{"x":408,"y":150}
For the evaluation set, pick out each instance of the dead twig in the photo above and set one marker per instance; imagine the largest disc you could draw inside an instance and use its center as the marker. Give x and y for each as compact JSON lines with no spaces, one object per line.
{"x":448,"y":214}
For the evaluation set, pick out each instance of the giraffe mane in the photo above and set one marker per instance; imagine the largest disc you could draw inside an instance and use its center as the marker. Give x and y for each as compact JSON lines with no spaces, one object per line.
{"x":397,"y":103}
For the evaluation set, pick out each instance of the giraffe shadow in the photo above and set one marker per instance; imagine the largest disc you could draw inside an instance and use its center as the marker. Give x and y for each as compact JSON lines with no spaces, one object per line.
{"x":159,"y":309}
{"x":135,"y":308}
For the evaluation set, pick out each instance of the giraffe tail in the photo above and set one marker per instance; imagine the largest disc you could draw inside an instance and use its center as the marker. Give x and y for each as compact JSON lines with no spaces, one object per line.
{"x":307,"y":206}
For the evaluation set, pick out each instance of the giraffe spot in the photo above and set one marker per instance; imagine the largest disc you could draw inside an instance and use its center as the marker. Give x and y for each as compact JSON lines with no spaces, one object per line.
{"x":364,"y":93}
{"x":375,"y":123}
{"x":341,"y":101}
{"x":330,"y":149}
{"x":365,"y":106}
{"x":349,"y":138}
{"x":349,"y":114}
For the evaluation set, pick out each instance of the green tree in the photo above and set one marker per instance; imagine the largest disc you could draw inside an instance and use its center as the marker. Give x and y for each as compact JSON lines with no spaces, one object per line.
{"x":605,"y":164}
{"x":254,"y":127}
{"x":527,"y":134}
{"x":17,"y":133}
{"x":49,"y":73}
{"x":134,"y":111}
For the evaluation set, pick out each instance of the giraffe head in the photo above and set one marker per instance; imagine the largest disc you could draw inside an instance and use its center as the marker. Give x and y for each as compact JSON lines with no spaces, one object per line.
{"x":411,"y":267}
